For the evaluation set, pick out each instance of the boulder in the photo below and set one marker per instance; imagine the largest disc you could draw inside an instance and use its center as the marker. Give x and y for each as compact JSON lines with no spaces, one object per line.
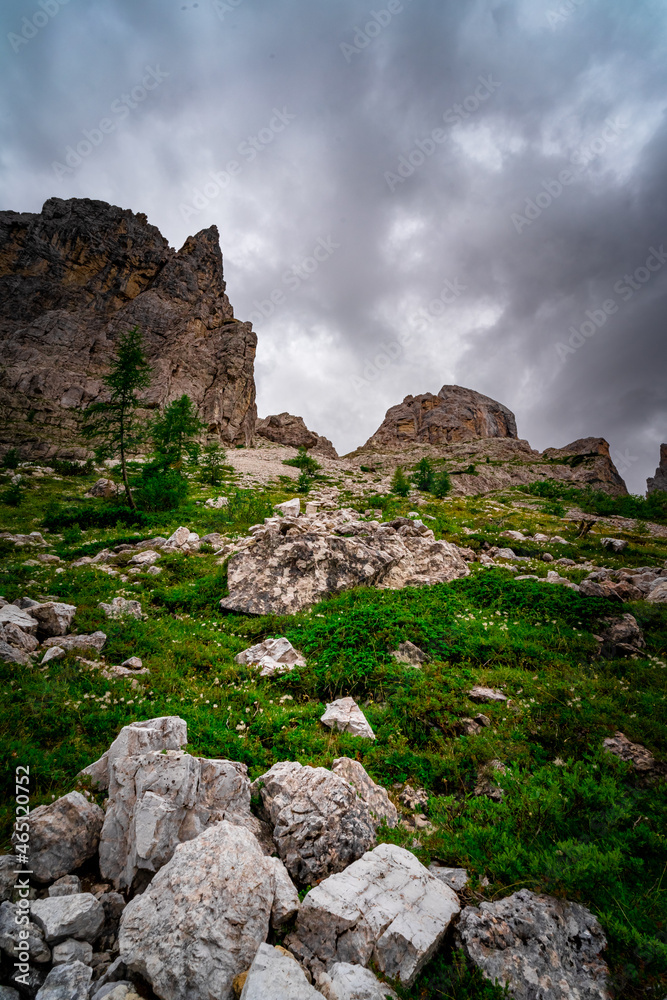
{"x":167,"y":732}
{"x":15,"y":636}
{"x":162,"y":798}
{"x":10,"y":654}
{"x":622,"y":637}
{"x":11,"y":615}
{"x":658,"y":594}
{"x":12,"y":944}
{"x":614,"y":544}
{"x":281,"y":573}
{"x":540,"y":946}
{"x":67,"y":982}
{"x":289,"y":508}
{"x":345,"y":716}
{"x":345,"y":981}
{"x":203,"y":917}
{"x":121,"y":608}
{"x":286,"y":429}
{"x":63,"y":835}
{"x":634,"y":753}
{"x":105,"y":488}
{"x":413,"y":798}
{"x":407,"y":652}
{"x":80,"y":916}
{"x":385,"y":908}
{"x":276,"y":975}
{"x":7,"y":993}
{"x":9,"y":864}
{"x":53,"y":618}
{"x":133,"y":663}
{"x":380,"y":806}
{"x":319,"y":822}
{"x":178,"y":538}
{"x":486,"y":694}
{"x":273,"y":656}
{"x":66,"y":885}
{"x":144,"y":559}
{"x":71,"y":950}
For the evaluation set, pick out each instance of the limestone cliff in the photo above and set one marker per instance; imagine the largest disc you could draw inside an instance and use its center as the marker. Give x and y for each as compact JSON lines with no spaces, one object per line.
{"x":284,"y":428}
{"x":659,"y":481}
{"x":76,"y":276}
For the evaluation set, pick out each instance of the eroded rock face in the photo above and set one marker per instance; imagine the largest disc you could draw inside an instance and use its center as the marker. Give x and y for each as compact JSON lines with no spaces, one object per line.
{"x":386,"y":907}
{"x":160,"y":799}
{"x":203,"y":917}
{"x":76,"y":276}
{"x":319,"y":823}
{"x":455,"y":414}
{"x":80,"y":916}
{"x":542,"y":946}
{"x":345,"y":716}
{"x":292,"y":563}
{"x":167,"y":732}
{"x":63,"y":835}
{"x":345,"y":981}
{"x":659,"y":481}
{"x":284,"y":428}
{"x":275,"y":974}
{"x":622,"y":637}
{"x":376,"y":798}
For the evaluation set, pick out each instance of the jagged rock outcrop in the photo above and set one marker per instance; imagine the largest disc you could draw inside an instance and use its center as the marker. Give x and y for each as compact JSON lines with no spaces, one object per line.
{"x":591,"y":456}
{"x":659,"y":481}
{"x":455,"y":414}
{"x":284,"y":428}
{"x":76,"y":276}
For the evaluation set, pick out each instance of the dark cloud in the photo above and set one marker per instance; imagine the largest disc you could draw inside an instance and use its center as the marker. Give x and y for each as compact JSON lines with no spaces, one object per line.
{"x":435,"y":277}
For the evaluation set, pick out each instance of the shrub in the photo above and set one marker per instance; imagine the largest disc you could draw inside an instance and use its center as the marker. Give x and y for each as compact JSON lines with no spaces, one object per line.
{"x":303,"y":482}
{"x":13,"y":495}
{"x":212,"y":464}
{"x":304,"y":462}
{"x":400,"y":484}
{"x":65,"y":468}
{"x":442,"y":484}
{"x":161,"y":489}
{"x":423,"y":476}
{"x":10,"y":459}
{"x":58,"y":518}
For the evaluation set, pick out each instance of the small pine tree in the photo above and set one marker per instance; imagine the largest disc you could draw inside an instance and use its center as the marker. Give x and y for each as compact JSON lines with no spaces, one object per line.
{"x":442,"y":484}
{"x":113,"y":423}
{"x":400,"y":484}
{"x":174,"y":433}
{"x":212,"y":463}
{"x":303,"y":482}
{"x":423,"y":476}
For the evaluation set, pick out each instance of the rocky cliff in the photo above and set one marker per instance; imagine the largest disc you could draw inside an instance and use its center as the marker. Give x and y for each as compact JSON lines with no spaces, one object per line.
{"x":76,"y":276}
{"x":659,"y":481}
{"x":284,"y":428}
{"x":455,"y":414}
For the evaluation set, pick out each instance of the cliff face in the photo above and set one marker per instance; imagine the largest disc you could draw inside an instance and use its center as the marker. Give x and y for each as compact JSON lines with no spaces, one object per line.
{"x":76,"y":276}
{"x":284,"y":428}
{"x":659,"y":481}
{"x":455,"y":414}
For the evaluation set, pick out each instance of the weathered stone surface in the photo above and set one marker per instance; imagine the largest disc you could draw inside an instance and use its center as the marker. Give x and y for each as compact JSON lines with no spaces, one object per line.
{"x":486,"y":694}
{"x":294,"y":563}
{"x":167,"y":732}
{"x":80,"y":916}
{"x":66,"y":885}
{"x":72,"y":950}
{"x":386,"y":908}
{"x":105,"y":488}
{"x":289,"y":508}
{"x":11,"y":615}
{"x":16,"y":637}
{"x":345,"y":716}
{"x":542,"y":947}
{"x":659,"y":481}
{"x":455,"y":878}
{"x":120,"y":607}
{"x":345,"y":981}
{"x":273,"y":657}
{"x":283,"y":428}
{"x":596,"y":469}
{"x":455,"y":414}
{"x":413,"y":798}
{"x":144,"y":559}
{"x":67,"y":982}
{"x":319,"y":823}
{"x":53,"y":653}
{"x":622,"y":637}
{"x":9,"y":863}
{"x":80,"y":273}
{"x":7,"y":993}
{"x":615,"y":544}
{"x":620,"y":746}
{"x":160,"y":799}
{"x":381,"y":808}
{"x":54,"y":618}
{"x":658,"y":594}
{"x":407,"y":652}
{"x":275,"y":975}
{"x":203,"y":917}
{"x":10,"y":654}
{"x":9,"y":935}
{"x":63,"y":835}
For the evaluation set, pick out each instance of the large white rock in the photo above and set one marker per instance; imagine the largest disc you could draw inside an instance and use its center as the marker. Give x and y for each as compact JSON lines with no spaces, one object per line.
{"x":386,"y":908}
{"x":345,"y":981}
{"x":289,"y":508}
{"x":63,"y":834}
{"x":167,"y":732}
{"x":120,"y":607}
{"x":273,"y":656}
{"x":274,"y":975}
{"x":382,"y":809}
{"x":345,"y":715}
{"x":9,"y":935}
{"x":67,"y":982}
{"x":11,"y":615}
{"x":178,"y":538}
{"x":146,"y":558}
{"x":80,"y":916}
{"x":160,"y":799}
{"x":203,"y":917}
{"x":54,"y":618}
{"x":319,"y":822}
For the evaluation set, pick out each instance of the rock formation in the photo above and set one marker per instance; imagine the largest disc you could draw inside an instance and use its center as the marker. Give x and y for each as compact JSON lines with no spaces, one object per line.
{"x":455,"y":414}
{"x":283,"y":428}
{"x":76,"y":276}
{"x":659,"y":481}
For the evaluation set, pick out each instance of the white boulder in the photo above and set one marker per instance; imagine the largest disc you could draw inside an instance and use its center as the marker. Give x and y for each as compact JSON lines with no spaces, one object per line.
{"x":167,"y":732}
{"x":63,"y":834}
{"x":345,"y":981}
{"x":381,"y":808}
{"x":276,"y":975}
{"x":273,"y":656}
{"x":80,"y":916}
{"x":345,"y":715}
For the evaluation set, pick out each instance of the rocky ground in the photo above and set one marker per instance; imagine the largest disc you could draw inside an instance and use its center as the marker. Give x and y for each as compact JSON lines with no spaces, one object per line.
{"x":352,"y":746}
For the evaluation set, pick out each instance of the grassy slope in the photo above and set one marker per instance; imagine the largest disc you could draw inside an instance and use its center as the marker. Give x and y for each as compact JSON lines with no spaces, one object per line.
{"x":574,"y":822}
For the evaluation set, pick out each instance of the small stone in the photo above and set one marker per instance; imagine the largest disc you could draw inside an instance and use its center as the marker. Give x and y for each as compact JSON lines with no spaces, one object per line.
{"x":620,"y":746}
{"x":547,"y":557}
{"x":67,"y":982}
{"x":345,"y":715}
{"x":144,"y":559}
{"x":407,"y":652}
{"x":413,"y":799}
{"x":455,"y":878}
{"x":68,"y":885}
{"x":53,"y":653}
{"x":71,"y":950}
{"x":276,"y":976}
{"x":82,"y":643}
{"x":16,"y":637}
{"x":134,"y":663}
{"x":179,"y":537}
{"x":482,"y":720}
{"x":486,"y":694}
{"x":273,"y":656}
{"x":154,"y":570}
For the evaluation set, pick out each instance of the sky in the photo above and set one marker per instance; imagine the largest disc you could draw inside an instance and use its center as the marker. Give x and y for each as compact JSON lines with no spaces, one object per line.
{"x":409,"y":193}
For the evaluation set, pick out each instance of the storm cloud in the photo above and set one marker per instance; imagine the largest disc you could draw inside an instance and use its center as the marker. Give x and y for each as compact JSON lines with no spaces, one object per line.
{"x":409,"y":192}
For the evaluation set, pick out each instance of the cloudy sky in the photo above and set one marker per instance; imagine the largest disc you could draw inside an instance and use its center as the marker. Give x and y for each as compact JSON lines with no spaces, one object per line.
{"x":433,"y":191}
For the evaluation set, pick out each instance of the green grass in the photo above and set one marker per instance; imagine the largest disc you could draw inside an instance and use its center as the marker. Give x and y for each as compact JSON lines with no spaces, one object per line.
{"x":574,"y":822}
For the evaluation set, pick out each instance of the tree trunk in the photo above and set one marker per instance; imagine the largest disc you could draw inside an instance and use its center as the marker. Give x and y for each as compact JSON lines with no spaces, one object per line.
{"x":128,"y":493}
